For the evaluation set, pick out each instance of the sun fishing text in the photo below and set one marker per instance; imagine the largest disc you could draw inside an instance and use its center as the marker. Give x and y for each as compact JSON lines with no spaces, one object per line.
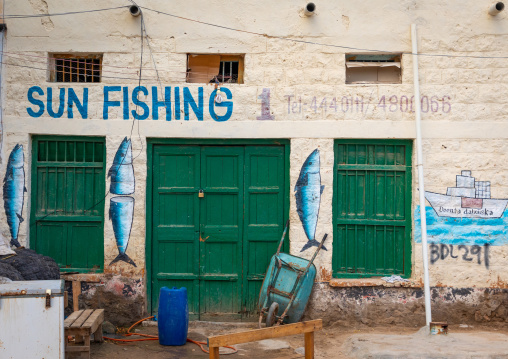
{"x":176,"y":103}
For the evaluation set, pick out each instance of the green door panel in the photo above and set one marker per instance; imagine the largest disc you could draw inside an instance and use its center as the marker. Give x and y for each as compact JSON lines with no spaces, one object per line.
{"x":221,"y":231}
{"x":175,"y":254}
{"x":68,"y":188}
{"x":265,"y":216}
{"x":372,"y":200}
{"x":218,"y":245}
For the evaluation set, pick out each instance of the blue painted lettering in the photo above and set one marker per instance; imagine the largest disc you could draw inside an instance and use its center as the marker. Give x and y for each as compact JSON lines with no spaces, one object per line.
{"x":61,"y":105}
{"x":35,"y":101}
{"x":227,"y":104}
{"x":137,"y":102}
{"x":81,"y":106}
{"x":166,"y":103}
{"x":189,"y":100}
{"x":107,"y":102}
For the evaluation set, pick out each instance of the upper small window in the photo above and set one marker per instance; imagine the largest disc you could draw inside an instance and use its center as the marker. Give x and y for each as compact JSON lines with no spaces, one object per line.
{"x":373,"y":69}
{"x":215,"y":69}
{"x":75,"y":68}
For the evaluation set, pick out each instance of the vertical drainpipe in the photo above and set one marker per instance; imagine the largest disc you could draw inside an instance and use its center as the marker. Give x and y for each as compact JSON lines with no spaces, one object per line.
{"x":2,"y":39}
{"x":419,"y":164}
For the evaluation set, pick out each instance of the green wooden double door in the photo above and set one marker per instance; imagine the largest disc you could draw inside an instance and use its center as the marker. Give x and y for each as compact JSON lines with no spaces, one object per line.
{"x":217,"y":215}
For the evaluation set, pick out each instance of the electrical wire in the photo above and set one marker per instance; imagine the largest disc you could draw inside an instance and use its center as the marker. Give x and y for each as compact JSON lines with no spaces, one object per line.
{"x":254,"y":33}
{"x":63,"y":13}
{"x":149,"y":337}
{"x":316,"y":43}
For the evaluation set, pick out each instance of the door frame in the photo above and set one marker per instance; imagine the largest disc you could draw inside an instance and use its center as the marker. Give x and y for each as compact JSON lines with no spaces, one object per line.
{"x":151,"y":142}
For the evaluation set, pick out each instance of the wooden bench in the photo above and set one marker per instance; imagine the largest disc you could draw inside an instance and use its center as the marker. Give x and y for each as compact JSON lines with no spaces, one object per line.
{"x":306,"y":328}
{"x":82,"y":324}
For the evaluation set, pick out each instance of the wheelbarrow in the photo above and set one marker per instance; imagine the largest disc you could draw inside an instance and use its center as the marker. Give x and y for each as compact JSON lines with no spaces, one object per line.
{"x":287,"y":286}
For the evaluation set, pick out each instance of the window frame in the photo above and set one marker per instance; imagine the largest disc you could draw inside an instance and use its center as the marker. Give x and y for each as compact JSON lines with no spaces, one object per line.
{"x":52,"y":71}
{"x":397,"y":56}
{"x":407,"y":252}
{"x":240,"y":58}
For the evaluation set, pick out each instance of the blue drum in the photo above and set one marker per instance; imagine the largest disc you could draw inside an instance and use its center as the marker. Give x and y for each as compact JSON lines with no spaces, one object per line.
{"x":173,"y":316}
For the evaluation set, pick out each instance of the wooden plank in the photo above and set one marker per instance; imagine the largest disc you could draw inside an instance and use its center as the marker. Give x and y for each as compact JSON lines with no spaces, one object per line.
{"x":309,"y":345}
{"x":96,"y":316}
{"x":266,"y":333}
{"x":97,"y":334}
{"x":82,"y":318}
{"x":71,"y":318}
{"x":76,"y":291}
{"x":77,"y":348}
{"x":214,"y":353}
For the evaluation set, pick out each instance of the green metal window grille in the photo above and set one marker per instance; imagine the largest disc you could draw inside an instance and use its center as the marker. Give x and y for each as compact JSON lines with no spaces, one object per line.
{"x":372,"y":208}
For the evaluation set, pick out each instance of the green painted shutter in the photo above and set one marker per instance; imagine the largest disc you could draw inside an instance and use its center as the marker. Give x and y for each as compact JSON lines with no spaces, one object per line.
{"x":265,"y":216}
{"x":175,"y":251}
{"x":372,"y":208}
{"x":221,"y":231}
{"x":68,"y":188}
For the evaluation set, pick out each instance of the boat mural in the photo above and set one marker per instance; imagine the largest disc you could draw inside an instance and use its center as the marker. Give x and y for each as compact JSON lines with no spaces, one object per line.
{"x":121,"y":213}
{"x":122,"y":170}
{"x":14,"y":192}
{"x":468,"y":199}
{"x":308,"y":190}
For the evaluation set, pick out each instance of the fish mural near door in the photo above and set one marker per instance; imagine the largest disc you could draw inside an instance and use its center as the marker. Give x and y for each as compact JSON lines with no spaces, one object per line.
{"x":308,"y":190}
{"x":121,"y":214}
{"x":14,"y":191}
{"x":122,"y":170}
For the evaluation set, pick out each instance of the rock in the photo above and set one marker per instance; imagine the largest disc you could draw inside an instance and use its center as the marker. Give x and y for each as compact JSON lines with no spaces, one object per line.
{"x":108,"y":328}
{"x":300,"y":350}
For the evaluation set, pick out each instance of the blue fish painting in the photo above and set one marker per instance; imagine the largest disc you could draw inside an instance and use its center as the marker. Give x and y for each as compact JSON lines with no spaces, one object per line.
{"x":121,"y":213}
{"x":122,"y":170}
{"x":14,"y":191}
{"x":308,"y":197}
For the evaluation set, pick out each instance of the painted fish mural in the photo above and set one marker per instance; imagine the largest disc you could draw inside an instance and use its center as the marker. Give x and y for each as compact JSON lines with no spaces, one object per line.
{"x":121,"y":213}
{"x":14,"y":191}
{"x":122,"y":170}
{"x":308,"y":192}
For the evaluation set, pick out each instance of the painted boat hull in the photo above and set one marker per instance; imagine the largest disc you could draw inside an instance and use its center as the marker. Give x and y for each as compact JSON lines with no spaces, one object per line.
{"x":450,"y":206}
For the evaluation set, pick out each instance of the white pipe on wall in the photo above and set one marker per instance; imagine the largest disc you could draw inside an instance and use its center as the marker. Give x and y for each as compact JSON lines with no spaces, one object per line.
{"x":419,"y":164}
{"x":496,"y":8}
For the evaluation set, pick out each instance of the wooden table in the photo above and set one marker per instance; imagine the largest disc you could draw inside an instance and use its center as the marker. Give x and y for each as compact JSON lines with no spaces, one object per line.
{"x":82,"y":324}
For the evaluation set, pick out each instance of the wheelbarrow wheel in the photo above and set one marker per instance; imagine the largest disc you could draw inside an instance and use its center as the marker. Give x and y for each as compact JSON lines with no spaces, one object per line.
{"x":271,"y":317}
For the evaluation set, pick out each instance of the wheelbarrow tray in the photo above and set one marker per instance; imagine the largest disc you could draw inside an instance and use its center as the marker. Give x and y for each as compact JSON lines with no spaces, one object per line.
{"x":285,"y":285}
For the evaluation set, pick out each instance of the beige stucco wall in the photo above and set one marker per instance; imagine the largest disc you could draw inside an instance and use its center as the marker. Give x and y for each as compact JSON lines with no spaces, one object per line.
{"x":473,"y":135}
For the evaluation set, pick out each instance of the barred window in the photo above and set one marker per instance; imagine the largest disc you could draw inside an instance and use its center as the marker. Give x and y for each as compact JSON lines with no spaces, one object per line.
{"x":75,"y":68}
{"x":206,"y":68}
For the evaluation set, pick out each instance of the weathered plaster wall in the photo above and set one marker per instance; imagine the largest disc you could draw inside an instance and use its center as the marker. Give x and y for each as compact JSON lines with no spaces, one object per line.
{"x":464,"y":125}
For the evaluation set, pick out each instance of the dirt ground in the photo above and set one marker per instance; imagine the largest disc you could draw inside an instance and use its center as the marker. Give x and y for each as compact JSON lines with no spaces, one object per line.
{"x":331,"y":342}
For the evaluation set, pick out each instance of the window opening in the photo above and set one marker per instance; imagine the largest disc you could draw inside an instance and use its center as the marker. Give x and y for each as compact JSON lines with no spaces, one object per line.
{"x":75,"y":68}
{"x":368,"y":68}
{"x":215,"y":68}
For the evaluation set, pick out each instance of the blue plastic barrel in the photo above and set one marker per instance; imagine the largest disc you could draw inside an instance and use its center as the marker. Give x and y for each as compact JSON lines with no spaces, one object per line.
{"x":173,"y":316}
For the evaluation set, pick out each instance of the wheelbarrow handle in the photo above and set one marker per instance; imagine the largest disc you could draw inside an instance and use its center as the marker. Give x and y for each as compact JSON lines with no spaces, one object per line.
{"x":317,"y":251}
{"x":283,"y":235}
